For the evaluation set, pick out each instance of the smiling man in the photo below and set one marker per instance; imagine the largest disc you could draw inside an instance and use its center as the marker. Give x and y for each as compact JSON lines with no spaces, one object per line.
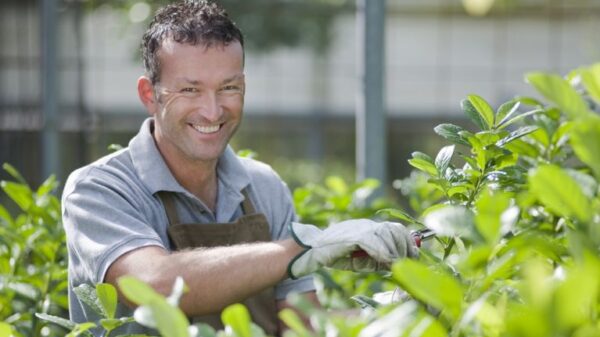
{"x":178,"y":201}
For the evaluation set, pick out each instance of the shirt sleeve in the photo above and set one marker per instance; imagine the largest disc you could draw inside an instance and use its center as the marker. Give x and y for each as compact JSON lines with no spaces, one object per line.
{"x":103,"y":220}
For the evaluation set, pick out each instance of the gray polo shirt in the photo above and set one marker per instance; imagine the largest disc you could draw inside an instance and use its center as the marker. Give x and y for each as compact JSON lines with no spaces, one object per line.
{"x":110,"y":207}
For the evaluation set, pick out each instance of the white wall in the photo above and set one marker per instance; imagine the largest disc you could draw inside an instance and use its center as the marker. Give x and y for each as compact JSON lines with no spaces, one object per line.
{"x":433,"y":61}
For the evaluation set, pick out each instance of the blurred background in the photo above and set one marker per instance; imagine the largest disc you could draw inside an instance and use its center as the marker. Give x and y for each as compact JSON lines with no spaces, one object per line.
{"x":301,"y":71}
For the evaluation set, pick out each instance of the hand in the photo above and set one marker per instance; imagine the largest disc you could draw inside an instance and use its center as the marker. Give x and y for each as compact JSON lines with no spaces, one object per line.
{"x":332,"y":247}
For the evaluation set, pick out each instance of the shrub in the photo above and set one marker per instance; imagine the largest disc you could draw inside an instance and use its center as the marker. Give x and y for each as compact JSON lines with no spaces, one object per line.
{"x":516,"y":208}
{"x":33,"y":258}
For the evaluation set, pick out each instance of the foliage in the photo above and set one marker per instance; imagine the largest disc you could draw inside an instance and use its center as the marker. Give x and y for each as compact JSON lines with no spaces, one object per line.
{"x":516,"y":208}
{"x":33,"y":275}
{"x":336,"y":200}
{"x":154,"y":311}
{"x":517,"y":218}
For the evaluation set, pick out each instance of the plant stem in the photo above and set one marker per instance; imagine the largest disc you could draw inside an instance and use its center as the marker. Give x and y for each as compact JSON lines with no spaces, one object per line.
{"x":478,"y":185}
{"x":447,"y":249}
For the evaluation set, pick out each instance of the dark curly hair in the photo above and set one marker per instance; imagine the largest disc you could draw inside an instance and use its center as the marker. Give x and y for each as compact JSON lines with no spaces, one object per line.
{"x":192,"y":22}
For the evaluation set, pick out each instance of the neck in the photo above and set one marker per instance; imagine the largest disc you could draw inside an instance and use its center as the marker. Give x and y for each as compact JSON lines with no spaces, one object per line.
{"x":197,"y":177}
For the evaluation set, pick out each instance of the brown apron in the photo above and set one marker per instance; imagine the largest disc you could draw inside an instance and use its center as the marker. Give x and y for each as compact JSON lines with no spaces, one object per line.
{"x":250,"y":227}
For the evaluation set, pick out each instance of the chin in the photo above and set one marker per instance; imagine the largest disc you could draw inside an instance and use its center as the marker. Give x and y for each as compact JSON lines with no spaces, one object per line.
{"x":209,"y":156}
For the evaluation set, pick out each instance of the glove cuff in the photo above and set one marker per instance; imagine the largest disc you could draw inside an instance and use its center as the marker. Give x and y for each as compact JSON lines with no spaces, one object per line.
{"x":298,"y":264}
{"x":295,"y":230}
{"x":297,"y":260}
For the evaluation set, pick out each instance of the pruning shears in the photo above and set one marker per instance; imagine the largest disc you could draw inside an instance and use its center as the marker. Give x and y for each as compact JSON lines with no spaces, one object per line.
{"x":422,"y":235}
{"x":418,"y":235}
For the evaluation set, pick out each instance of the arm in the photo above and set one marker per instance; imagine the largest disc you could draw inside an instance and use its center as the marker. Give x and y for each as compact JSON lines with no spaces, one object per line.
{"x":216,"y":277}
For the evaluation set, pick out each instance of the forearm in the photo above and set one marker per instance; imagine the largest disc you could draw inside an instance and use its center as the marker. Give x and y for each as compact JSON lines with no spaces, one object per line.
{"x":217,"y":276}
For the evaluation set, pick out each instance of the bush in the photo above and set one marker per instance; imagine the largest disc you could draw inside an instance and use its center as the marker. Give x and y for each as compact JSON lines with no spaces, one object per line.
{"x":516,"y":208}
{"x":33,"y":258}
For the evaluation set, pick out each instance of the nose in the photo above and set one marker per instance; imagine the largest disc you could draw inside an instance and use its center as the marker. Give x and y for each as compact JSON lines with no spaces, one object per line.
{"x":209,"y":106}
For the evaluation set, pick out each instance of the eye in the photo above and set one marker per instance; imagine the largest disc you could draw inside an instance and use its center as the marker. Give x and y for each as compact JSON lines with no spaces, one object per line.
{"x":231,"y":88}
{"x":189,"y":90}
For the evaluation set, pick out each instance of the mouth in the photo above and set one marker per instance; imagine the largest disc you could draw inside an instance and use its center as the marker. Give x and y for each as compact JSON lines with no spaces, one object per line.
{"x":207,"y":129}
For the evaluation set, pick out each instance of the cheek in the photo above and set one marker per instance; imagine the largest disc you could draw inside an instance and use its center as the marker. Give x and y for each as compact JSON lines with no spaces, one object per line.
{"x":237,"y":104}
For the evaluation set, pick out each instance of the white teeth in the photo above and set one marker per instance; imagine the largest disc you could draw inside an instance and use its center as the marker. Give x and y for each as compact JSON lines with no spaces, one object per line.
{"x":207,"y":128}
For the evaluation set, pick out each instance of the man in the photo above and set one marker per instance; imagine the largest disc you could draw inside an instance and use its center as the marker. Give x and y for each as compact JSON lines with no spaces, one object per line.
{"x":179,"y":202}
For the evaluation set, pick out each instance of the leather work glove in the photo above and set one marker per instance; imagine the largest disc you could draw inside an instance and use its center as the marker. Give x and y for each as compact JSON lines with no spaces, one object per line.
{"x":333,"y":246}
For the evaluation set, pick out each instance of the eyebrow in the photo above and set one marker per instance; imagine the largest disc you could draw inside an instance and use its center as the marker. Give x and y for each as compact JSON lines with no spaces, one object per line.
{"x":227,"y":80}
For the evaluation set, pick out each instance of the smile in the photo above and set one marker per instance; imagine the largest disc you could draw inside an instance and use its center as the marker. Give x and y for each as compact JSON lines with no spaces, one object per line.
{"x":207,"y":129}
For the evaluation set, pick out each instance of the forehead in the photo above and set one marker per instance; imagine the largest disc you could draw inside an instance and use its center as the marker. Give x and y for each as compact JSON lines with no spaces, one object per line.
{"x":201,"y":59}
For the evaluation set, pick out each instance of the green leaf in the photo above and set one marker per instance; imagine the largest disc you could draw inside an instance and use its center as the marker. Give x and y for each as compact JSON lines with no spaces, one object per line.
{"x":107,"y":295}
{"x":459,"y":189}
{"x":19,"y":193}
{"x":137,"y":291}
{"x":247,"y":153}
{"x":5,"y":217}
{"x":238,"y":318}
{"x":506,"y":110}
{"x":49,"y":185}
{"x":368,"y":184}
{"x":529,"y":101}
{"x":442,"y":160}
{"x":205,"y":330}
{"x":421,"y":155}
{"x":591,"y":80}
{"x":295,"y":323}
{"x":365,"y":301}
{"x":170,"y":321}
{"x":558,"y":91}
{"x":115,"y":147}
{"x":14,"y":173}
{"x":424,"y":163}
{"x":487,"y":138}
{"x":506,"y":160}
{"x":520,"y":132}
{"x":576,"y":297}
{"x":589,"y":185}
{"x":60,"y":321}
{"x":451,"y":133}
{"x":471,"y":112}
{"x":452,"y":221}
{"x":26,"y":290}
{"x":398,"y":214}
{"x":517,"y":118}
{"x":471,"y":162}
{"x":521,"y":147}
{"x":336,"y":184}
{"x":428,"y":326}
{"x":585,"y":140}
{"x":490,"y":207}
{"x":486,"y":315}
{"x":111,"y":323}
{"x":87,"y":294}
{"x":435,"y":288}
{"x":82,"y":329}
{"x":484,"y":109}
{"x":5,"y":330}
{"x":555,"y":188}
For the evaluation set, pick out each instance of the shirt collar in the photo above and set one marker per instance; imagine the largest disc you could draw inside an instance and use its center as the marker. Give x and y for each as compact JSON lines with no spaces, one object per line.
{"x":154,"y":172}
{"x":231,"y":172}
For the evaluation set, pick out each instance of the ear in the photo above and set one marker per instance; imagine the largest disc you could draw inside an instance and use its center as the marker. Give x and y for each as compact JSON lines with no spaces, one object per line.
{"x":146,"y":94}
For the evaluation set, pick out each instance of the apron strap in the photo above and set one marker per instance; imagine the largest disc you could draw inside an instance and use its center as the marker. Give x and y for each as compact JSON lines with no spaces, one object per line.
{"x":168,"y":201}
{"x":247,"y":206}
{"x":169,"y":204}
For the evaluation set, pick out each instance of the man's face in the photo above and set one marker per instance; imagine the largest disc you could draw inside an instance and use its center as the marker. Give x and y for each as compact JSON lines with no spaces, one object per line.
{"x":200,"y":98}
